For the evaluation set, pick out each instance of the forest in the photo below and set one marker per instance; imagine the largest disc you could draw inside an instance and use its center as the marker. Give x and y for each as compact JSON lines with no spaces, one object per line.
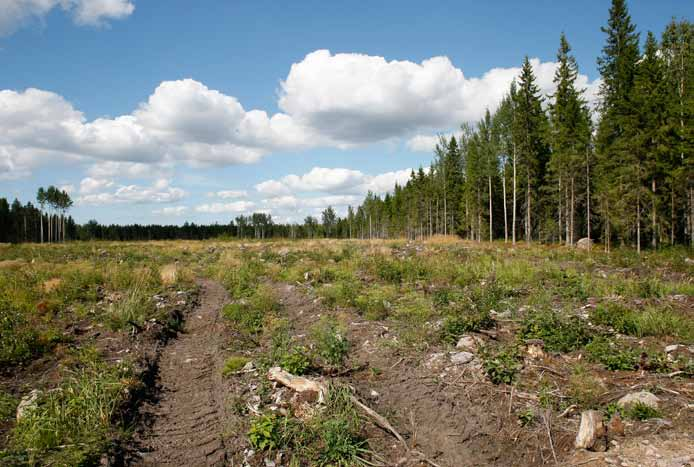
{"x":546,"y":168}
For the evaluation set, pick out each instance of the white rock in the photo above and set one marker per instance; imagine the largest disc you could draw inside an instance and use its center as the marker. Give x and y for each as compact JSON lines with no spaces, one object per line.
{"x":645,"y":397}
{"x":466,"y":342}
{"x":461,"y":358}
{"x":584,"y":243}
{"x":27,"y":403}
{"x":671,"y":348}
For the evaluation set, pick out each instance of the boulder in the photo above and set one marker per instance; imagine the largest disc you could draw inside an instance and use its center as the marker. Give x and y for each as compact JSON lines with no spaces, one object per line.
{"x":461,"y":358}
{"x":584,"y":243}
{"x":644,"y":397}
{"x":592,"y":434}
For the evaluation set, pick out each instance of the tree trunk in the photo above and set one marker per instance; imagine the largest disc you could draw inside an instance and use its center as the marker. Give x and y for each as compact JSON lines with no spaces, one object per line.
{"x":490,"y":210}
{"x":503,"y":188}
{"x":561,"y":195}
{"x":528,"y":228}
{"x":638,"y":220}
{"x":654,"y":238}
{"x":573,"y":204}
{"x":513,"y":225}
{"x":588,"y":196}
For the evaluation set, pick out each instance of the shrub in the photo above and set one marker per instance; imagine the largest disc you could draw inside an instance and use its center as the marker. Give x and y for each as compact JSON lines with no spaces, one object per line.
{"x":331,"y":343}
{"x":605,"y":351}
{"x":265,"y":432}
{"x":641,"y":411}
{"x":501,"y":366}
{"x":456,"y":325}
{"x":559,"y":334}
{"x":296,"y":361}
{"x":584,"y":389}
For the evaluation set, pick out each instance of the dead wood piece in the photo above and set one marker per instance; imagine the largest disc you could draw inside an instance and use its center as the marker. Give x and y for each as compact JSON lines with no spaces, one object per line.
{"x":297,"y":383}
{"x":591,"y":433}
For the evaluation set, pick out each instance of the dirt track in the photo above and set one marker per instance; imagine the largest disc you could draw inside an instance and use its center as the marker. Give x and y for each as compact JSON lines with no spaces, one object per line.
{"x":184,"y":426}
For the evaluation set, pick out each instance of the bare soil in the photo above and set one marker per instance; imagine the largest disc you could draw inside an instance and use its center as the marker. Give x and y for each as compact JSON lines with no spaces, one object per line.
{"x":184,"y":422}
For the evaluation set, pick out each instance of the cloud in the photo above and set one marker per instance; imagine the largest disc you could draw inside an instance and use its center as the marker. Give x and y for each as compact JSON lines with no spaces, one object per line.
{"x":171,"y":211}
{"x":159,"y":192}
{"x":338,"y":180}
{"x":228,"y":194}
{"x":327,"y":100}
{"x":218,"y":208}
{"x":16,"y":13}
{"x":91,"y":185}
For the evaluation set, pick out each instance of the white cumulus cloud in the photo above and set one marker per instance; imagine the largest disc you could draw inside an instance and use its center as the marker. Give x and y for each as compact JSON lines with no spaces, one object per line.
{"x":15,"y":13}
{"x":233,"y":207}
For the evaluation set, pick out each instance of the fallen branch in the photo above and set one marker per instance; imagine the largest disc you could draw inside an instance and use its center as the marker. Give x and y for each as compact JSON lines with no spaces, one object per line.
{"x":380,"y":420}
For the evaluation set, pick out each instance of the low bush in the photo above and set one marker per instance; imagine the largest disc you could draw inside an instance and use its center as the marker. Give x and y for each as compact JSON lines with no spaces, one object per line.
{"x":501,"y":366}
{"x":607,"y":352}
{"x":559,"y":333}
{"x":330,"y":341}
{"x":8,"y":406}
{"x":641,"y":411}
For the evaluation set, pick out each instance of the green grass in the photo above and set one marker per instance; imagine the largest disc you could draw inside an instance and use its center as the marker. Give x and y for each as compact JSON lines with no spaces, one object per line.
{"x":332,"y":437}
{"x":8,"y":406}
{"x":611,"y":355}
{"x":74,"y":423}
{"x":234,"y":364}
{"x":330,"y":341}
{"x":651,"y":321}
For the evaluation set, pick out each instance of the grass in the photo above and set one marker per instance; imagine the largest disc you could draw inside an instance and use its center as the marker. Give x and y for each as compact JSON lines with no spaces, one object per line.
{"x":330,"y":341}
{"x":332,"y":437}
{"x":8,"y":406}
{"x":234,"y":364}
{"x":74,"y":423}
{"x":651,"y":321}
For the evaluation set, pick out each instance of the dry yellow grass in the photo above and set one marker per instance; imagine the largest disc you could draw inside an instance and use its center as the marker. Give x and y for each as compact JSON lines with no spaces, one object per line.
{"x":168,"y":274}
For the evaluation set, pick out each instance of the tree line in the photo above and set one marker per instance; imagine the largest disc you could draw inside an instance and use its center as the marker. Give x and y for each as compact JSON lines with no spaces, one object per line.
{"x":48,"y":222}
{"x":551,"y":169}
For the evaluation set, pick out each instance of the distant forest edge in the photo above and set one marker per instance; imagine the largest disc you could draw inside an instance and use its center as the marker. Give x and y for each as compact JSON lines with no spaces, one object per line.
{"x":540,"y":168}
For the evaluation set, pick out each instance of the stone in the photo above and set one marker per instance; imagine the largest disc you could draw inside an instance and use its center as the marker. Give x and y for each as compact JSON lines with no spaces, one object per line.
{"x":644,"y":397}
{"x":461,"y":358}
{"x":592,"y":434}
{"x":27,"y":403}
{"x":584,"y":243}
{"x":467,"y":342}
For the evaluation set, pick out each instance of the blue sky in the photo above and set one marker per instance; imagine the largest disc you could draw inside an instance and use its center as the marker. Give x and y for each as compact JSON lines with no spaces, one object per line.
{"x":170,"y":111}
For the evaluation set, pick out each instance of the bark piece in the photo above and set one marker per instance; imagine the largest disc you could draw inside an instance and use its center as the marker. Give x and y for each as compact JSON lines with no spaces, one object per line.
{"x":592,"y":433}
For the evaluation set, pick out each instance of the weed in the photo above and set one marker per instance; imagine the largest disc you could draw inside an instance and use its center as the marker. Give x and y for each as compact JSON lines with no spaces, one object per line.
{"x":71,"y":424}
{"x":641,"y":411}
{"x":18,"y":340}
{"x":265,"y":432}
{"x":559,"y":334}
{"x":606,"y":351}
{"x":249,"y":314}
{"x":455,"y":326}
{"x":502,"y":365}
{"x":8,"y":406}
{"x":331,"y":343}
{"x":234,"y":364}
{"x":584,"y":389}
{"x":526,"y":417}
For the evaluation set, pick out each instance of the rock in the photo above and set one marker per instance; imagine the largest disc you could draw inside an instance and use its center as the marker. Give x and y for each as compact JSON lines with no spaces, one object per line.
{"x":644,"y":397}
{"x":27,"y":403}
{"x":592,"y":433}
{"x":467,"y":342}
{"x":461,"y":358}
{"x":584,"y":243}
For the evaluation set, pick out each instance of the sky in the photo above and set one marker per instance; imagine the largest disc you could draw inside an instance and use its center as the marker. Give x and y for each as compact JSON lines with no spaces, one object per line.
{"x":165,"y":112}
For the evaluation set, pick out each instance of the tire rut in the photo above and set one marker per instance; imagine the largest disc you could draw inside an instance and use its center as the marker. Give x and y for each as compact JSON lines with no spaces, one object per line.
{"x":185,"y":425}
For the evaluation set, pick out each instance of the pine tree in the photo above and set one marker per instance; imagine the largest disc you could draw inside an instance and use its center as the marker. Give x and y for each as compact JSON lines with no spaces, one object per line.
{"x":531,"y":128}
{"x":570,"y":140}
{"x":617,"y":66}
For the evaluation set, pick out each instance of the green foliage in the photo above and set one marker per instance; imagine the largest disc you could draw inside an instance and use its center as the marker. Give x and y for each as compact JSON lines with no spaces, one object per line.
{"x":607,"y":352}
{"x":559,"y":333}
{"x":330,"y":341}
{"x":297,"y":361}
{"x":584,"y":389}
{"x":18,"y":339}
{"x":265,"y":432}
{"x":652,"y":321}
{"x":241,"y":281}
{"x":618,"y":316}
{"x":8,"y":406}
{"x":501,"y":366}
{"x":455,"y":326}
{"x":249,"y":314}
{"x":526,"y":417}
{"x":641,"y":411}
{"x":72,"y":425}
{"x":234,"y":364}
